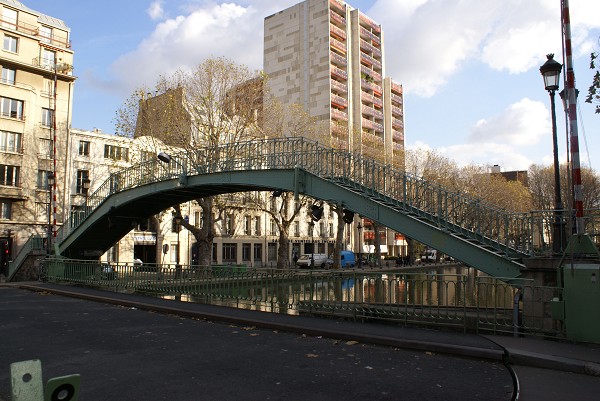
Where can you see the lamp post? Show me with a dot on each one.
(359, 227)
(311, 225)
(50, 182)
(177, 218)
(551, 73)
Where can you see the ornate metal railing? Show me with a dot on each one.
(511, 234)
(464, 301)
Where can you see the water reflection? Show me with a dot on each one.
(439, 288)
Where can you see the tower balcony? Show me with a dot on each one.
(397, 123)
(336, 18)
(337, 32)
(338, 5)
(336, 44)
(368, 22)
(339, 115)
(371, 85)
(370, 61)
(371, 73)
(397, 99)
(370, 111)
(369, 48)
(368, 35)
(338, 73)
(372, 125)
(372, 99)
(397, 111)
(338, 101)
(397, 137)
(338, 60)
(339, 87)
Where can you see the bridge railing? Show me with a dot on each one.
(512, 234)
(464, 301)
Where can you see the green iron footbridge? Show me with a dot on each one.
(480, 235)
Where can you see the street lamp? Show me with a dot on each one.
(165, 158)
(177, 218)
(311, 225)
(359, 227)
(551, 73)
(50, 182)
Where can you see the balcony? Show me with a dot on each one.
(34, 30)
(47, 64)
(372, 99)
(338, 101)
(397, 111)
(370, 36)
(338, 6)
(397, 137)
(371, 85)
(372, 141)
(339, 87)
(396, 88)
(336, 44)
(365, 58)
(336, 32)
(368, 22)
(396, 98)
(338, 60)
(339, 115)
(370, 111)
(369, 48)
(339, 73)
(397, 124)
(372, 125)
(335, 17)
(376, 77)
(397, 147)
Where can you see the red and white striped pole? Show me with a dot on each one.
(572, 112)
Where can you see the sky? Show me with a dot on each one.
(469, 68)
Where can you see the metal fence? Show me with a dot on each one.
(468, 302)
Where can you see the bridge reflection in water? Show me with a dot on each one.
(449, 296)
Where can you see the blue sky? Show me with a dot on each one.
(469, 68)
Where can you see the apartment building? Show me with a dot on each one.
(329, 58)
(35, 112)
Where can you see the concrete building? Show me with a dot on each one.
(329, 58)
(35, 112)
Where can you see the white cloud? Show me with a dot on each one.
(523, 123)
(155, 11)
(429, 41)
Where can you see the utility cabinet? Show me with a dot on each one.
(582, 301)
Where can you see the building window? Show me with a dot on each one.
(12, 108)
(116, 152)
(45, 34)
(9, 175)
(196, 219)
(82, 175)
(10, 141)
(246, 252)
(273, 227)
(257, 226)
(10, 43)
(42, 211)
(46, 117)
(48, 57)
(146, 156)
(257, 251)
(42, 179)
(228, 225)
(174, 252)
(330, 230)
(84, 148)
(9, 18)
(248, 225)
(296, 228)
(45, 148)
(8, 75)
(229, 252)
(5, 209)
(48, 89)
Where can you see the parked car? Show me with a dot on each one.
(321, 260)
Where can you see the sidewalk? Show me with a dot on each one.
(543, 368)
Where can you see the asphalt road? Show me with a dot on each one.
(129, 354)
